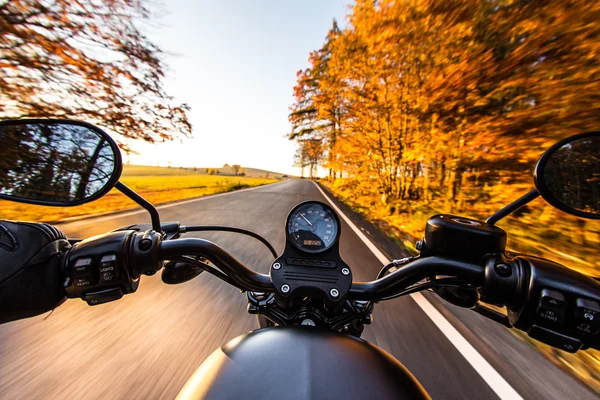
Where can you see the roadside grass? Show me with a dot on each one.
(157, 185)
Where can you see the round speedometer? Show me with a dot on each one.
(313, 227)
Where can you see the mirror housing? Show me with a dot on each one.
(567, 175)
(56, 162)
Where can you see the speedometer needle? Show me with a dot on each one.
(302, 215)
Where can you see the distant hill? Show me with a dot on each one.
(146, 170)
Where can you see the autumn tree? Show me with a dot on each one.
(316, 114)
(86, 60)
(236, 168)
(432, 97)
(309, 154)
(423, 104)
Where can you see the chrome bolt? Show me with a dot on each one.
(276, 266)
(345, 271)
(308, 322)
(285, 288)
(334, 292)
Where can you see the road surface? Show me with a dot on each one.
(149, 343)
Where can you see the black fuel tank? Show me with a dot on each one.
(301, 363)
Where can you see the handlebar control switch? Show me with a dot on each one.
(82, 272)
(109, 268)
(551, 307)
(586, 318)
(103, 296)
(558, 306)
(555, 339)
(99, 268)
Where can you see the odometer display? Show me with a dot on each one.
(312, 227)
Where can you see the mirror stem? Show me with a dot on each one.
(512, 207)
(142, 202)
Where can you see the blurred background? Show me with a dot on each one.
(400, 109)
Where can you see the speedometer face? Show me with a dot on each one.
(312, 227)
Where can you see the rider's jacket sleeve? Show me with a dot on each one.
(31, 269)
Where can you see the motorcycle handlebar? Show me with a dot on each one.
(243, 276)
(412, 273)
(387, 286)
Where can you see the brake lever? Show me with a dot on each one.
(493, 315)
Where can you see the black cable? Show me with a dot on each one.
(237, 271)
(415, 288)
(445, 282)
(395, 263)
(452, 283)
(197, 228)
(413, 272)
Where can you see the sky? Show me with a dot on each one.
(235, 64)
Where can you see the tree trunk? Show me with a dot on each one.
(87, 172)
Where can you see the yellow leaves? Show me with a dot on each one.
(414, 87)
(88, 60)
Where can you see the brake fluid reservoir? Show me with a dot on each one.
(449, 235)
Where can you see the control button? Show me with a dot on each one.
(587, 316)
(109, 271)
(82, 282)
(145, 244)
(555, 339)
(82, 267)
(103, 296)
(552, 306)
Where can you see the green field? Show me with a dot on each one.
(143, 170)
(157, 185)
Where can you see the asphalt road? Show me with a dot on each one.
(149, 343)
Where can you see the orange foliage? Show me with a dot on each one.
(86, 60)
(427, 106)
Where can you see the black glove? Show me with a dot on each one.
(31, 272)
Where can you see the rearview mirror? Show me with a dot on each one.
(56, 162)
(568, 175)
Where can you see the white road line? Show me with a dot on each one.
(179, 203)
(496, 382)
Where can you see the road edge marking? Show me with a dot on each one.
(162, 207)
(494, 380)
